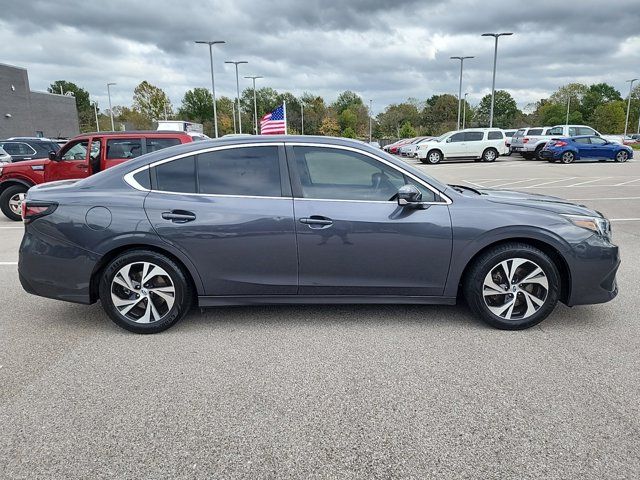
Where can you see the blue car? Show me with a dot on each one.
(569, 149)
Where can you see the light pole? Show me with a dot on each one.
(238, 92)
(370, 119)
(626, 122)
(213, 82)
(495, 61)
(113, 127)
(95, 110)
(301, 117)
(255, 104)
(568, 106)
(462, 59)
(464, 112)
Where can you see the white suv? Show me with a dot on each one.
(484, 144)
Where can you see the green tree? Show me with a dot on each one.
(197, 105)
(348, 120)
(505, 110)
(349, 133)
(347, 99)
(314, 111)
(597, 94)
(440, 114)
(132, 117)
(576, 91)
(80, 94)
(407, 131)
(329, 127)
(394, 116)
(151, 101)
(609, 117)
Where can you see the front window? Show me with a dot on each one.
(457, 137)
(75, 151)
(328, 173)
(597, 141)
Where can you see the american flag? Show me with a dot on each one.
(274, 123)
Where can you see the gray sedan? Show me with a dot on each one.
(287, 219)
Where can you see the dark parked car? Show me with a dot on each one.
(288, 219)
(584, 147)
(28, 148)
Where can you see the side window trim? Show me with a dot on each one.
(297, 187)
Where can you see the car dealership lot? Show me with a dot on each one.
(334, 391)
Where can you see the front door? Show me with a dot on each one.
(353, 238)
(72, 162)
(231, 213)
(455, 146)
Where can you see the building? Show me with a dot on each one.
(25, 113)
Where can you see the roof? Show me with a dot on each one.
(133, 132)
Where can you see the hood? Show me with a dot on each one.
(534, 200)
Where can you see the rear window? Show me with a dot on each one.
(118, 148)
(473, 136)
(155, 144)
(535, 131)
(510, 133)
(177, 175)
(520, 133)
(495, 136)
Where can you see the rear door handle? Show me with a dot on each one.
(179, 216)
(317, 221)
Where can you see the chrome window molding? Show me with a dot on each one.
(131, 181)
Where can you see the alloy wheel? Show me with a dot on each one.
(622, 156)
(515, 289)
(143, 292)
(434, 157)
(489, 156)
(567, 157)
(15, 202)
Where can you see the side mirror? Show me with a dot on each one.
(409, 196)
(448, 140)
(53, 156)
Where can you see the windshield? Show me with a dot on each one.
(441, 137)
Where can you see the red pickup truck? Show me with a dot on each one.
(80, 157)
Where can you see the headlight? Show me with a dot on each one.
(599, 225)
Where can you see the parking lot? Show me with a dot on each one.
(334, 391)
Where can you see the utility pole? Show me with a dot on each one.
(462, 59)
(626, 122)
(464, 114)
(255, 104)
(302, 117)
(95, 110)
(238, 91)
(568, 106)
(495, 61)
(113, 128)
(213, 81)
(370, 120)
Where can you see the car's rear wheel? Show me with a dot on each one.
(11, 201)
(538, 152)
(567, 157)
(512, 286)
(434, 156)
(622, 156)
(489, 155)
(145, 292)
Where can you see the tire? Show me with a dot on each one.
(551, 160)
(567, 157)
(514, 309)
(170, 304)
(527, 156)
(11, 200)
(434, 157)
(537, 152)
(622, 156)
(490, 155)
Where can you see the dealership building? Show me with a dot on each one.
(25, 113)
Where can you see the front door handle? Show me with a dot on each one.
(317, 221)
(82, 166)
(179, 216)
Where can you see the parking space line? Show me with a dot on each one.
(604, 198)
(624, 219)
(552, 181)
(474, 184)
(513, 183)
(625, 183)
(21, 227)
(588, 181)
(8, 263)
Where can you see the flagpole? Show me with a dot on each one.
(284, 108)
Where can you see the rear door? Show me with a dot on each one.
(474, 144)
(353, 238)
(230, 210)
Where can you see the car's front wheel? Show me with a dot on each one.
(434, 157)
(11, 201)
(512, 286)
(622, 156)
(145, 292)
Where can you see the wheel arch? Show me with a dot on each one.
(189, 270)
(435, 149)
(10, 182)
(552, 251)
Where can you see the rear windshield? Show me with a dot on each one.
(520, 133)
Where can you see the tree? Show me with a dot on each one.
(440, 115)
(314, 111)
(349, 133)
(132, 117)
(151, 101)
(394, 116)
(407, 131)
(505, 110)
(576, 91)
(609, 117)
(597, 94)
(347, 99)
(329, 127)
(197, 105)
(81, 95)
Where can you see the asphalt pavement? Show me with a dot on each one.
(334, 391)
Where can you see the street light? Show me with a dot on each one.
(213, 82)
(370, 118)
(113, 127)
(462, 59)
(302, 117)
(238, 92)
(464, 114)
(626, 122)
(255, 104)
(95, 110)
(495, 60)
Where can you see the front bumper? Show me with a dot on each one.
(594, 266)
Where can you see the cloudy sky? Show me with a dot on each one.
(385, 50)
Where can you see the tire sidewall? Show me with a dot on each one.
(573, 158)
(183, 292)
(621, 160)
(6, 196)
(428, 158)
(486, 263)
(484, 154)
